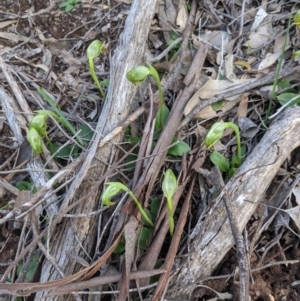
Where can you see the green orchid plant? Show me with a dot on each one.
(58, 115)
(114, 188)
(137, 75)
(213, 136)
(37, 130)
(169, 187)
(94, 50)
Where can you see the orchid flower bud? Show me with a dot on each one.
(35, 141)
(94, 49)
(138, 74)
(215, 134)
(169, 185)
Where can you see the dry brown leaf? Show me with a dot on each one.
(248, 128)
(228, 66)
(7, 23)
(279, 41)
(243, 64)
(215, 87)
(217, 38)
(16, 37)
(171, 12)
(259, 18)
(260, 32)
(182, 17)
(270, 59)
(243, 107)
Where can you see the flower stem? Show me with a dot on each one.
(238, 142)
(145, 216)
(155, 75)
(93, 73)
(171, 219)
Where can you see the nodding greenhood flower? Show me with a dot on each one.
(110, 191)
(92, 52)
(138, 74)
(39, 123)
(35, 141)
(169, 187)
(94, 49)
(215, 133)
(115, 187)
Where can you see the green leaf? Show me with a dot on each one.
(231, 172)
(31, 268)
(105, 82)
(63, 4)
(154, 207)
(217, 105)
(65, 152)
(23, 185)
(174, 35)
(219, 160)
(120, 248)
(145, 238)
(133, 140)
(161, 117)
(179, 149)
(286, 97)
(234, 161)
(69, 8)
(86, 132)
(130, 162)
(149, 216)
(157, 265)
(283, 84)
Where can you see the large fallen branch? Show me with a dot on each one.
(212, 238)
(78, 234)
